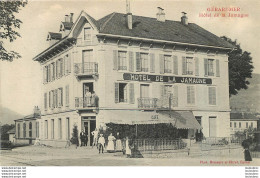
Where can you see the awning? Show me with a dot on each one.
(179, 119)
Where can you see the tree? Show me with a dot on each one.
(240, 68)
(75, 136)
(4, 129)
(8, 25)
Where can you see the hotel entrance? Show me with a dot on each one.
(88, 124)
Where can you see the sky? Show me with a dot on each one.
(21, 80)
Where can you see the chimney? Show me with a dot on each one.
(184, 19)
(129, 17)
(71, 17)
(160, 15)
(36, 111)
(67, 19)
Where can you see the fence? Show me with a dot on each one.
(212, 143)
(158, 144)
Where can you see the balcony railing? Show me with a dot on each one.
(148, 103)
(168, 102)
(86, 102)
(87, 68)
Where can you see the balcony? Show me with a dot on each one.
(148, 103)
(86, 102)
(86, 69)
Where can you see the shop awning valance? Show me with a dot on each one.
(179, 119)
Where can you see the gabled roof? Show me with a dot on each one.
(30, 117)
(67, 25)
(54, 36)
(146, 27)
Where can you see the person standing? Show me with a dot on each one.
(111, 145)
(247, 154)
(82, 138)
(127, 148)
(86, 139)
(101, 143)
(118, 142)
(95, 137)
(87, 97)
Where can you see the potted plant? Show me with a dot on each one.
(75, 137)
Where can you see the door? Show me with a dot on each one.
(89, 125)
(198, 134)
(87, 90)
(87, 61)
(144, 95)
(212, 126)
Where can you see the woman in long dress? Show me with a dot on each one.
(111, 145)
(118, 142)
(127, 148)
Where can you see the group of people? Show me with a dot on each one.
(90, 98)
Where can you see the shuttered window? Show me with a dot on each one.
(212, 95)
(206, 67)
(210, 67)
(116, 92)
(175, 65)
(45, 74)
(45, 101)
(152, 63)
(144, 62)
(217, 68)
(131, 93)
(161, 59)
(191, 95)
(168, 63)
(67, 95)
(138, 62)
(115, 60)
(60, 97)
(196, 66)
(131, 61)
(61, 67)
(184, 67)
(122, 61)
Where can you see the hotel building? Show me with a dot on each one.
(143, 70)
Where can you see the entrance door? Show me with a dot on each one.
(212, 126)
(89, 125)
(198, 134)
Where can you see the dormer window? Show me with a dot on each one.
(87, 34)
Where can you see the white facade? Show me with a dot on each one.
(118, 58)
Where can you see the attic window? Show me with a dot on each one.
(87, 33)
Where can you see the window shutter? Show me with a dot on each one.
(196, 66)
(152, 63)
(131, 61)
(54, 70)
(212, 95)
(49, 99)
(175, 65)
(61, 96)
(54, 99)
(217, 68)
(115, 59)
(161, 59)
(44, 74)
(69, 63)
(45, 101)
(175, 93)
(67, 95)
(116, 92)
(138, 62)
(131, 93)
(57, 65)
(206, 67)
(184, 66)
(65, 65)
(188, 94)
(192, 95)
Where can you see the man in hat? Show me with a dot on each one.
(82, 138)
(101, 143)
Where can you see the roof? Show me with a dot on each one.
(147, 27)
(29, 117)
(11, 131)
(55, 36)
(243, 116)
(67, 25)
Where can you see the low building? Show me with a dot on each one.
(27, 128)
(242, 121)
(11, 134)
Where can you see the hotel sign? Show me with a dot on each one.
(169, 79)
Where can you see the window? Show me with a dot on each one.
(58, 68)
(230, 124)
(68, 128)
(246, 124)
(19, 130)
(190, 95)
(37, 129)
(212, 95)
(60, 128)
(51, 99)
(252, 124)
(167, 64)
(45, 101)
(52, 129)
(24, 130)
(122, 64)
(30, 129)
(144, 91)
(122, 92)
(67, 64)
(87, 33)
(235, 125)
(46, 129)
(67, 95)
(144, 62)
(210, 67)
(45, 74)
(239, 124)
(60, 97)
